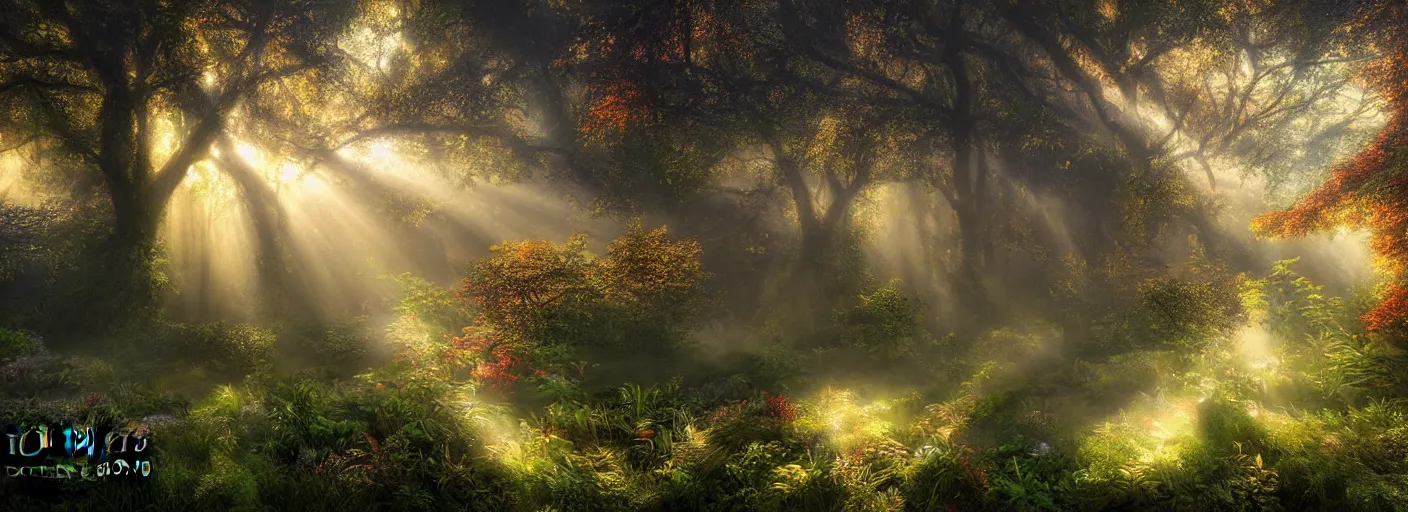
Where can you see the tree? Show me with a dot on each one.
(1370, 190)
(139, 91)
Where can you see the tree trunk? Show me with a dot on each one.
(120, 289)
(967, 184)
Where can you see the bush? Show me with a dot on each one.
(15, 343)
(233, 350)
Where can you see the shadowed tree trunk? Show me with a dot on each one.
(970, 174)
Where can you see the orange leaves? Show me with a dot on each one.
(643, 266)
(1386, 20)
(536, 297)
(616, 108)
(514, 288)
(1342, 199)
(523, 278)
(1371, 189)
(1391, 313)
(624, 70)
(1390, 242)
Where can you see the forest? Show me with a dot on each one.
(709, 255)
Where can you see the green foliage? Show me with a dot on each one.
(1182, 315)
(1223, 425)
(945, 477)
(1323, 338)
(1194, 423)
(230, 349)
(342, 348)
(14, 343)
(885, 323)
(426, 310)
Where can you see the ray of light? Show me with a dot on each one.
(334, 232)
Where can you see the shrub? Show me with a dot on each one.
(233, 350)
(884, 324)
(15, 343)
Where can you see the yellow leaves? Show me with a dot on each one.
(866, 41)
(1108, 10)
(845, 420)
(789, 477)
(644, 265)
(863, 38)
(522, 278)
(1236, 9)
(824, 138)
(640, 269)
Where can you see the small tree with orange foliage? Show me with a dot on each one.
(539, 301)
(1370, 190)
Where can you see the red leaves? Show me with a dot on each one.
(496, 358)
(779, 408)
(1369, 190)
(1391, 313)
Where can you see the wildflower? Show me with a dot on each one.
(1041, 449)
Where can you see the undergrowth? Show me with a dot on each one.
(1276, 402)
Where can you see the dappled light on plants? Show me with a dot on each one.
(844, 422)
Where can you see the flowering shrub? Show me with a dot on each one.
(779, 408)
